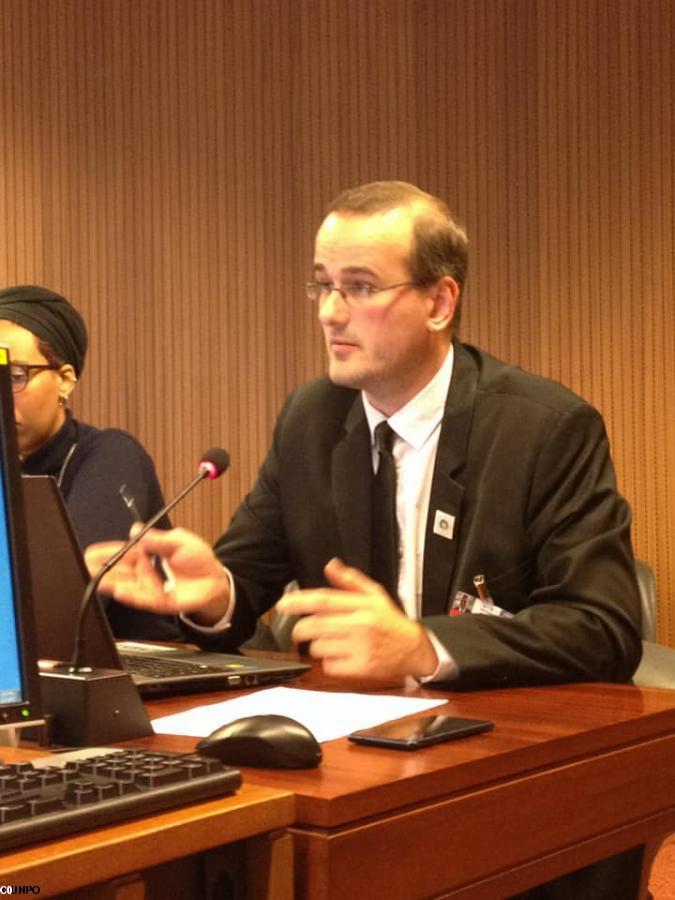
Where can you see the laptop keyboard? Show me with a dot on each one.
(66, 792)
(156, 667)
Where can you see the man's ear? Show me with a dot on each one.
(445, 297)
(68, 380)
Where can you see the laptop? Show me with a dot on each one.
(60, 576)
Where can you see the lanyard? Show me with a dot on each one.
(64, 464)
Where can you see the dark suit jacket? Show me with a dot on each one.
(522, 464)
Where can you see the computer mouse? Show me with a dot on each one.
(263, 741)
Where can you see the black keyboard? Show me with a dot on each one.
(156, 667)
(82, 789)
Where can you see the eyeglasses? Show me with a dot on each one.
(20, 374)
(353, 293)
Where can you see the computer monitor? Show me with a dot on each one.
(19, 680)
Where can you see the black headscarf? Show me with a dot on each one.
(50, 317)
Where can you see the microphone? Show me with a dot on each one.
(212, 465)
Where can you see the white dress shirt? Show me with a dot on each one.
(417, 427)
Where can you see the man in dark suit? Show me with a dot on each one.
(504, 555)
(505, 493)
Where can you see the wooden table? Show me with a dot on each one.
(162, 850)
(570, 775)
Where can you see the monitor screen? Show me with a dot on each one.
(19, 680)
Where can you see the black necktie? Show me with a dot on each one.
(385, 527)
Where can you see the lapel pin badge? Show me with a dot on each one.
(444, 524)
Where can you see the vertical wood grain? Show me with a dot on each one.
(164, 163)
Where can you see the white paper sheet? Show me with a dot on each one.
(326, 714)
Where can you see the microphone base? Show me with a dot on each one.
(91, 707)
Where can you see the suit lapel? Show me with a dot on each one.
(351, 486)
(447, 491)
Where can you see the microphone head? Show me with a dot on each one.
(214, 462)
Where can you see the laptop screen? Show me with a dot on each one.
(19, 685)
(11, 682)
(56, 558)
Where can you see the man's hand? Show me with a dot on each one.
(202, 588)
(357, 630)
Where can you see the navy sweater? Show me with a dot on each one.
(91, 465)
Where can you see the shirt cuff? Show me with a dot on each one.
(222, 624)
(447, 669)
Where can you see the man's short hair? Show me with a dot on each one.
(440, 243)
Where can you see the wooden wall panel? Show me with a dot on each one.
(164, 163)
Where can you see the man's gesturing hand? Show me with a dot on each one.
(201, 587)
(356, 629)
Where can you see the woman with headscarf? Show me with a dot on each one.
(47, 341)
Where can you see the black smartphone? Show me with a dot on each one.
(411, 734)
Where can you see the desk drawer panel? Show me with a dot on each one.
(423, 851)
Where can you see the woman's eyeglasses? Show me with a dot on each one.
(20, 374)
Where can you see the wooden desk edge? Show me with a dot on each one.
(104, 853)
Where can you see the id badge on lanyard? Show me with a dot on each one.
(480, 603)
